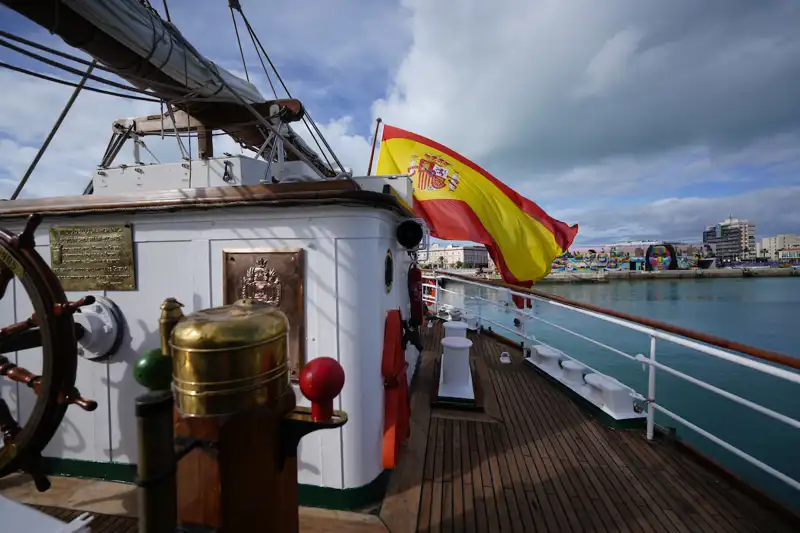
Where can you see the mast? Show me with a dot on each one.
(131, 40)
(374, 142)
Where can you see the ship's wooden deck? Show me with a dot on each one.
(542, 462)
(533, 460)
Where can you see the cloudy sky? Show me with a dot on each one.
(636, 120)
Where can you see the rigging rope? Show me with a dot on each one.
(257, 41)
(72, 84)
(66, 68)
(52, 133)
(239, 41)
(75, 59)
(166, 12)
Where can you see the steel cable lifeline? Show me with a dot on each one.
(257, 41)
(259, 48)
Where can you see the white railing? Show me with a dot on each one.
(431, 281)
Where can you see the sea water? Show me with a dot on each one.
(760, 312)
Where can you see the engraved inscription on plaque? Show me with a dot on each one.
(87, 258)
(275, 277)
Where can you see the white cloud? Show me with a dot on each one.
(774, 210)
(632, 119)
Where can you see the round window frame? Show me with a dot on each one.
(388, 271)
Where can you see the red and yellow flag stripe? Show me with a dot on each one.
(461, 201)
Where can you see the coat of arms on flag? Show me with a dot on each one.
(431, 172)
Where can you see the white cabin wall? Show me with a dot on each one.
(360, 271)
(170, 263)
(180, 255)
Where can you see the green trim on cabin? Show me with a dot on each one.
(309, 495)
(345, 499)
(119, 472)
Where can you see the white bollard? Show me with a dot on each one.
(455, 329)
(455, 376)
(549, 360)
(471, 321)
(573, 372)
(594, 390)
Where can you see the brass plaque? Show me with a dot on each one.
(276, 277)
(91, 258)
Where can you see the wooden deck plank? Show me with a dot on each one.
(576, 497)
(519, 402)
(588, 465)
(458, 480)
(549, 465)
(594, 496)
(512, 463)
(481, 507)
(402, 509)
(102, 523)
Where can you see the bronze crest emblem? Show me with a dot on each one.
(260, 282)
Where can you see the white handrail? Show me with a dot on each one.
(654, 334)
(709, 350)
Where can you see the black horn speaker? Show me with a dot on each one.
(409, 234)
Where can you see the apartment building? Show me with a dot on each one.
(732, 239)
(770, 246)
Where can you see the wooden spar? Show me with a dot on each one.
(752, 351)
(374, 142)
(232, 117)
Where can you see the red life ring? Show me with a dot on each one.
(397, 406)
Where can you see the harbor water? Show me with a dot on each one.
(762, 312)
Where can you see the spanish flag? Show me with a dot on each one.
(460, 201)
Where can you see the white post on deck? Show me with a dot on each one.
(436, 294)
(651, 390)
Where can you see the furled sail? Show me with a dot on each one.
(129, 38)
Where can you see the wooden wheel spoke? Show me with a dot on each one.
(51, 327)
(33, 381)
(33, 321)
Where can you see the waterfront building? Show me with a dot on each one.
(789, 255)
(452, 256)
(732, 239)
(639, 248)
(770, 246)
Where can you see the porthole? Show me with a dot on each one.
(388, 271)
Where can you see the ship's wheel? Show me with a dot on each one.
(52, 327)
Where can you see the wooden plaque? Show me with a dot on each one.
(87, 258)
(276, 277)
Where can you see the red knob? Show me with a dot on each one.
(321, 381)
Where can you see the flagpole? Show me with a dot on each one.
(374, 142)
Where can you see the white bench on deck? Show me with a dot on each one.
(455, 375)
